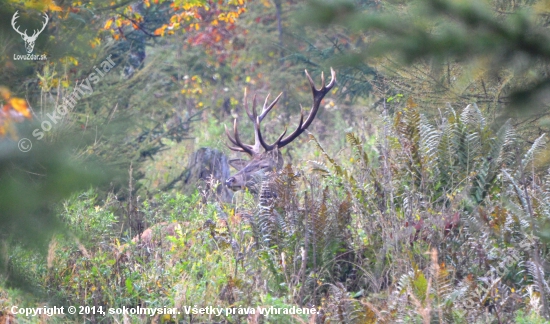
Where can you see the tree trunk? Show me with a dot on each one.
(208, 167)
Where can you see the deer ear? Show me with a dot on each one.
(238, 164)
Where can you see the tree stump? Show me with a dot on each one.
(207, 168)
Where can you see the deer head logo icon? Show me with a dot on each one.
(29, 40)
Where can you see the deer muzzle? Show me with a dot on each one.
(234, 184)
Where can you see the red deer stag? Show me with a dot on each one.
(271, 159)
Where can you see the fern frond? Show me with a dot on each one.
(519, 193)
(357, 146)
(538, 144)
(338, 168)
(429, 141)
(536, 272)
(320, 167)
(503, 145)
(472, 116)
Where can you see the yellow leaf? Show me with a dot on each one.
(73, 60)
(108, 24)
(411, 103)
(4, 93)
(53, 7)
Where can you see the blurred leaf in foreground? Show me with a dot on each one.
(31, 184)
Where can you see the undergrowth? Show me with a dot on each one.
(444, 222)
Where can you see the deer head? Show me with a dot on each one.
(29, 40)
(270, 159)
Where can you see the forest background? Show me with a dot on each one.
(425, 170)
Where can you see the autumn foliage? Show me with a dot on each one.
(14, 110)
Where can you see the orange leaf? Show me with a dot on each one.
(159, 31)
(20, 105)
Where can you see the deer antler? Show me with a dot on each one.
(24, 34)
(13, 19)
(36, 32)
(318, 96)
(236, 141)
(254, 150)
(258, 140)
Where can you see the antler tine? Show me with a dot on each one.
(266, 109)
(236, 149)
(257, 130)
(231, 139)
(318, 95)
(248, 149)
(278, 141)
(268, 147)
(237, 141)
(254, 113)
(43, 25)
(13, 23)
(233, 148)
(245, 103)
